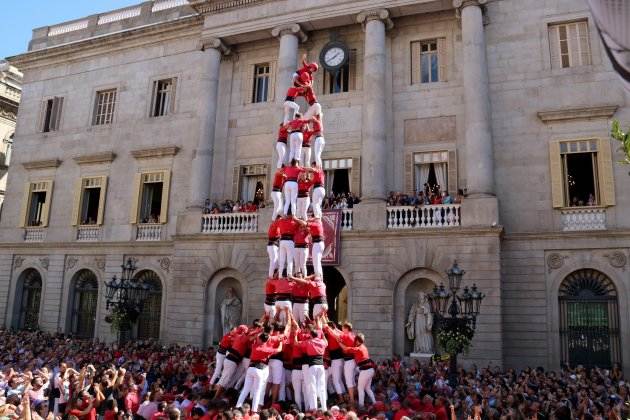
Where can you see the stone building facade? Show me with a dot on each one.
(131, 119)
(10, 91)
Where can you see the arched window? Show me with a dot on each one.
(27, 300)
(589, 320)
(149, 319)
(84, 297)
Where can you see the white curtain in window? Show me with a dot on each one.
(330, 180)
(147, 199)
(422, 175)
(440, 175)
(248, 187)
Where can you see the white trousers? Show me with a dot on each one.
(300, 312)
(365, 386)
(336, 368)
(313, 110)
(218, 367)
(276, 196)
(297, 380)
(318, 198)
(281, 305)
(295, 145)
(290, 108)
(272, 252)
(255, 382)
(319, 309)
(290, 197)
(227, 374)
(318, 253)
(276, 371)
(306, 388)
(318, 148)
(241, 372)
(300, 255)
(302, 207)
(285, 256)
(306, 155)
(281, 150)
(270, 310)
(317, 380)
(348, 373)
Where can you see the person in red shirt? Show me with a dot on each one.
(319, 191)
(88, 412)
(314, 347)
(284, 291)
(346, 337)
(317, 138)
(304, 75)
(270, 296)
(314, 106)
(316, 228)
(296, 128)
(336, 356)
(288, 226)
(301, 241)
(281, 145)
(276, 365)
(300, 298)
(366, 368)
(305, 181)
(276, 193)
(273, 245)
(292, 174)
(235, 354)
(291, 108)
(224, 345)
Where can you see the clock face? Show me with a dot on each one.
(334, 56)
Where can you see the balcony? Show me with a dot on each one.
(229, 223)
(423, 217)
(583, 218)
(346, 219)
(149, 232)
(34, 234)
(89, 233)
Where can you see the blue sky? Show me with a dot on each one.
(20, 17)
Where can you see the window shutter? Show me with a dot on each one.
(442, 47)
(101, 201)
(166, 187)
(554, 47)
(46, 207)
(555, 166)
(76, 205)
(272, 82)
(355, 184)
(584, 43)
(249, 77)
(42, 115)
(352, 70)
(135, 199)
(236, 182)
(574, 45)
(605, 173)
(173, 95)
(409, 184)
(452, 172)
(415, 63)
(55, 115)
(25, 204)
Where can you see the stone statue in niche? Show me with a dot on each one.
(419, 325)
(231, 310)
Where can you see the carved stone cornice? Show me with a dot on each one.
(460, 4)
(12, 116)
(155, 152)
(588, 113)
(289, 29)
(103, 157)
(375, 14)
(216, 43)
(205, 6)
(42, 164)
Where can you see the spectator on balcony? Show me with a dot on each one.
(446, 198)
(237, 207)
(459, 197)
(436, 199)
(591, 200)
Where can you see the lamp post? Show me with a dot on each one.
(125, 297)
(455, 313)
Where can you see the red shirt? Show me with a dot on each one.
(318, 177)
(318, 129)
(316, 228)
(440, 413)
(132, 403)
(270, 287)
(314, 346)
(303, 187)
(261, 352)
(294, 91)
(278, 179)
(292, 172)
(199, 368)
(301, 237)
(109, 415)
(360, 353)
(304, 75)
(226, 341)
(283, 287)
(436, 199)
(274, 231)
(333, 342)
(310, 96)
(241, 344)
(317, 289)
(288, 227)
(297, 124)
(403, 412)
(306, 138)
(300, 290)
(282, 134)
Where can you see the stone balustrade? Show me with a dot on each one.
(158, 6)
(118, 15)
(429, 216)
(34, 234)
(583, 218)
(89, 233)
(229, 223)
(64, 28)
(149, 232)
(346, 219)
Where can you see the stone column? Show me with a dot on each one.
(479, 155)
(211, 51)
(289, 36)
(374, 141)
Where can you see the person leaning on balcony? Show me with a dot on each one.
(446, 198)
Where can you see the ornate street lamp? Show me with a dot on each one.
(455, 315)
(125, 297)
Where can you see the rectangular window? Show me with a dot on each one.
(89, 205)
(579, 173)
(250, 183)
(262, 79)
(431, 172)
(36, 204)
(163, 97)
(428, 61)
(343, 80)
(338, 176)
(152, 194)
(51, 114)
(569, 44)
(104, 107)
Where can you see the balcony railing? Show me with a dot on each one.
(34, 234)
(430, 216)
(346, 219)
(89, 233)
(149, 232)
(229, 223)
(584, 218)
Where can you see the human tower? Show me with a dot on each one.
(294, 352)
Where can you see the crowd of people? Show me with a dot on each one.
(340, 201)
(231, 206)
(431, 195)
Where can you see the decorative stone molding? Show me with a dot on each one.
(8, 115)
(216, 43)
(588, 113)
(156, 152)
(555, 261)
(42, 164)
(71, 262)
(375, 14)
(165, 264)
(617, 259)
(100, 263)
(460, 4)
(102, 157)
(17, 263)
(205, 6)
(289, 29)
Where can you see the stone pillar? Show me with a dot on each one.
(289, 36)
(211, 51)
(373, 139)
(479, 155)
